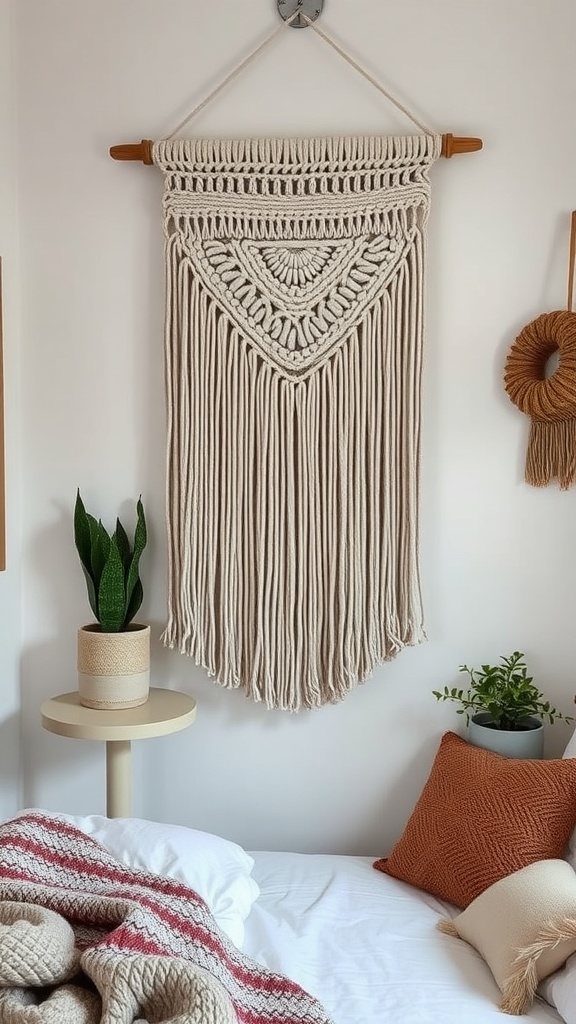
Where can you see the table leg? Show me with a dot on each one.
(118, 779)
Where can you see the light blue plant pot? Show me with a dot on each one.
(524, 743)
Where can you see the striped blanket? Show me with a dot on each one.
(86, 940)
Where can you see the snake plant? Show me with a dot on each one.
(111, 567)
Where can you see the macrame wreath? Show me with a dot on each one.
(549, 401)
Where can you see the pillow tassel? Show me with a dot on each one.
(448, 927)
(520, 988)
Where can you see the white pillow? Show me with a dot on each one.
(571, 748)
(217, 869)
(560, 988)
(570, 854)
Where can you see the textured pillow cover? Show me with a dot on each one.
(217, 869)
(481, 817)
(524, 926)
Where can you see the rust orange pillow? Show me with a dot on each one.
(480, 817)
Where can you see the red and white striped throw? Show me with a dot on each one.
(149, 947)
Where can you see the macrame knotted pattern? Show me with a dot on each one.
(294, 321)
(549, 401)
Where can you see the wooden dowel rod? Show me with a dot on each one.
(452, 145)
(133, 151)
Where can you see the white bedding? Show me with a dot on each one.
(367, 945)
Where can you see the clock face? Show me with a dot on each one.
(306, 9)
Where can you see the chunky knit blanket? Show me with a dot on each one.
(84, 939)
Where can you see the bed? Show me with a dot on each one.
(367, 947)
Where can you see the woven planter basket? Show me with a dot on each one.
(113, 668)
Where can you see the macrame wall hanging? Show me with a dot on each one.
(294, 323)
(549, 401)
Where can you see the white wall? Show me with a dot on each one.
(10, 611)
(498, 558)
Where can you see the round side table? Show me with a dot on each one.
(164, 712)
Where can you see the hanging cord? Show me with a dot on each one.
(571, 263)
(331, 42)
(366, 74)
(235, 71)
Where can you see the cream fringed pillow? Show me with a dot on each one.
(524, 926)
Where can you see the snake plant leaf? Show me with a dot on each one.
(123, 544)
(111, 594)
(82, 534)
(100, 550)
(92, 596)
(135, 602)
(140, 538)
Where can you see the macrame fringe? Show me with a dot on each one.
(294, 552)
(551, 453)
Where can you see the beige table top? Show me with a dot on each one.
(164, 712)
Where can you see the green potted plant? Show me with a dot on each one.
(114, 651)
(504, 708)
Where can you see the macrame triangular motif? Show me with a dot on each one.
(297, 300)
(294, 322)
